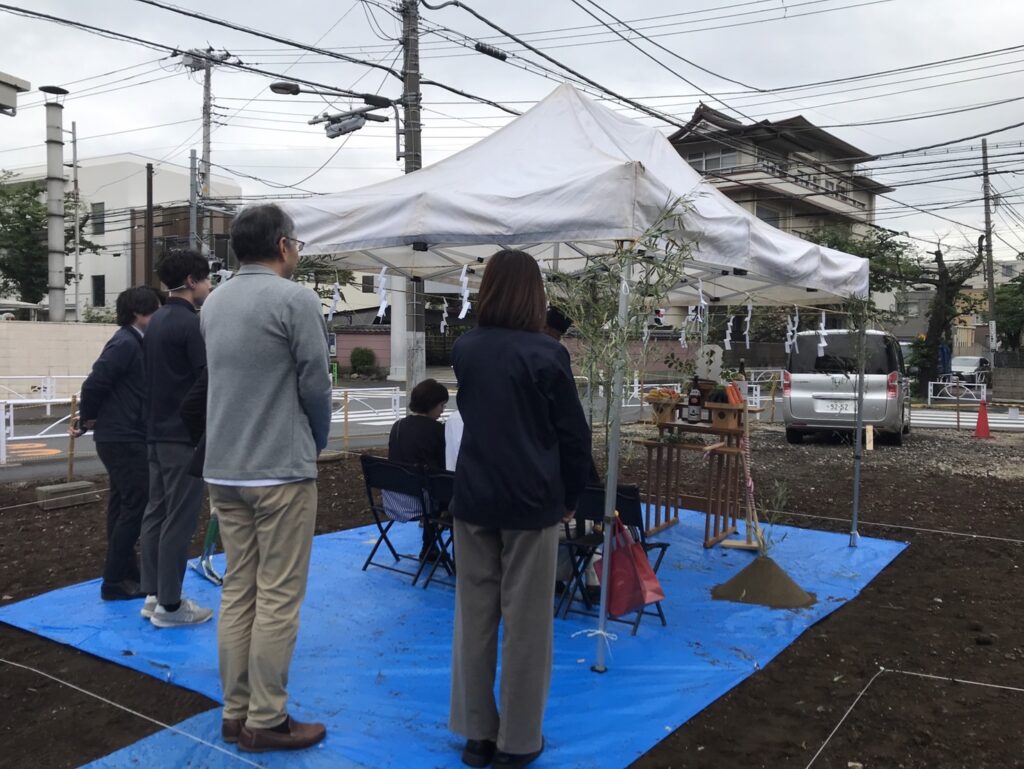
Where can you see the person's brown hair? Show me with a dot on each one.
(512, 292)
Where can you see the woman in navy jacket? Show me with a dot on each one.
(523, 462)
(113, 405)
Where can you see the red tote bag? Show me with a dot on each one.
(632, 582)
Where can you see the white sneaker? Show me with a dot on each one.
(148, 607)
(189, 613)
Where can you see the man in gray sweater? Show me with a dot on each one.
(268, 417)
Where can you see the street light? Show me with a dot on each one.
(343, 123)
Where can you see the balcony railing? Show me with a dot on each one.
(776, 170)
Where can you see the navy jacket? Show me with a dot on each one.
(114, 393)
(175, 354)
(525, 452)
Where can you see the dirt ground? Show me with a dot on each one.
(950, 606)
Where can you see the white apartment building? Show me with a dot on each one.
(110, 188)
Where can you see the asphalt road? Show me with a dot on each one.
(370, 416)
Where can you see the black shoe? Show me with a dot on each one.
(478, 753)
(503, 760)
(125, 590)
(559, 587)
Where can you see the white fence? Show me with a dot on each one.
(38, 390)
(956, 391)
(8, 435)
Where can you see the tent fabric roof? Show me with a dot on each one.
(568, 179)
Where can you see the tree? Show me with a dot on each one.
(320, 270)
(22, 239)
(24, 268)
(1010, 313)
(897, 266)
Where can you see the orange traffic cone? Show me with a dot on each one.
(981, 430)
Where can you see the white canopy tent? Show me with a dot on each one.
(569, 179)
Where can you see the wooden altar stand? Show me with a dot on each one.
(725, 500)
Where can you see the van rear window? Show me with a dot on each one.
(841, 356)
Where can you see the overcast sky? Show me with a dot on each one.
(764, 44)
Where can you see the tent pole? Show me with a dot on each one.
(611, 482)
(858, 449)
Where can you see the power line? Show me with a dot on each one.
(631, 102)
(313, 49)
(657, 45)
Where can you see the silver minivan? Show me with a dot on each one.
(819, 393)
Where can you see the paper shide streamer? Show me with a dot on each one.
(382, 291)
(335, 301)
(822, 343)
(444, 318)
(464, 281)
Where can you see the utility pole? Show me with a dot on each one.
(78, 224)
(55, 201)
(148, 246)
(415, 315)
(989, 265)
(196, 60)
(193, 202)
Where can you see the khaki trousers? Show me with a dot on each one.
(503, 575)
(267, 533)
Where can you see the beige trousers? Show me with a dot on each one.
(503, 576)
(267, 533)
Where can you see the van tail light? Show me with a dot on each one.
(787, 384)
(892, 386)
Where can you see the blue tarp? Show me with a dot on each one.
(372, 660)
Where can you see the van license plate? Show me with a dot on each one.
(840, 407)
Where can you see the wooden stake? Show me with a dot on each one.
(345, 439)
(71, 439)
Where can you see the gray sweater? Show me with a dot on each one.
(269, 402)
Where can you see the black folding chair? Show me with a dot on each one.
(584, 548)
(632, 517)
(397, 494)
(440, 488)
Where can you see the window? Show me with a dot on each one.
(99, 290)
(768, 215)
(1009, 270)
(914, 310)
(367, 284)
(99, 219)
(714, 160)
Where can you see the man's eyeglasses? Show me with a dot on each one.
(299, 244)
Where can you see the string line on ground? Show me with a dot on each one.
(126, 709)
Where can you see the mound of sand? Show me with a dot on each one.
(763, 582)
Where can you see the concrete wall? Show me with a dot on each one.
(51, 349)
(1008, 384)
(377, 339)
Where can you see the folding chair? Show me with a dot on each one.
(632, 517)
(582, 547)
(397, 494)
(440, 488)
(591, 507)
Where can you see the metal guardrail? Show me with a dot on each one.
(391, 408)
(955, 390)
(21, 388)
(7, 433)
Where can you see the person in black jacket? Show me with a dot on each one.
(522, 465)
(113, 406)
(175, 354)
(418, 439)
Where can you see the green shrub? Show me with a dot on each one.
(362, 360)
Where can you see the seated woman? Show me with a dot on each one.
(418, 439)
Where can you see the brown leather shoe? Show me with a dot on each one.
(298, 737)
(230, 728)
